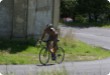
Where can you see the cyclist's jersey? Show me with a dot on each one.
(53, 34)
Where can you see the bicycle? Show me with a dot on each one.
(45, 54)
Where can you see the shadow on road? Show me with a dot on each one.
(45, 65)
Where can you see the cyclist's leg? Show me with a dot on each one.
(54, 51)
(48, 45)
(55, 43)
(55, 46)
(51, 46)
(51, 49)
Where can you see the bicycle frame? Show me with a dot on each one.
(45, 52)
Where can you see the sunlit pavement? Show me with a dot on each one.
(94, 36)
(99, 67)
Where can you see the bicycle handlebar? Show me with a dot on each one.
(39, 42)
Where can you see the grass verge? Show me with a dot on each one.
(80, 51)
(87, 24)
(25, 52)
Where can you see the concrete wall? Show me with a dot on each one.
(27, 18)
(43, 15)
(56, 12)
(6, 21)
(20, 18)
(31, 17)
(40, 14)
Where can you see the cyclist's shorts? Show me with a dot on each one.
(52, 38)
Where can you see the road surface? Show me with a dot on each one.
(99, 67)
(93, 35)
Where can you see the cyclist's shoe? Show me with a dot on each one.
(53, 57)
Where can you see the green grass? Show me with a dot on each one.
(106, 26)
(25, 52)
(18, 52)
(79, 51)
(87, 24)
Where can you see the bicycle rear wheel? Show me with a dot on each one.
(60, 54)
(44, 56)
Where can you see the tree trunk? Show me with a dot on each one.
(90, 18)
(95, 17)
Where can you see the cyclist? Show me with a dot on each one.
(52, 37)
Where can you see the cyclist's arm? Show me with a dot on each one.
(43, 35)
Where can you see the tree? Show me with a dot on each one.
(68, 8)
(93, 8)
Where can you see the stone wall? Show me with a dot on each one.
(56, 12)
(20, 18)
(39, 16)
(43, 14)
(6, 15)
(27, 18)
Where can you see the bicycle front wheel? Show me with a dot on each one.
(60, 54)
(44, 56)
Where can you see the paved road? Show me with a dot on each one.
(99, 67)
(94, 36)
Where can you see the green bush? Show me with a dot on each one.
(81, 19)
(67, 8)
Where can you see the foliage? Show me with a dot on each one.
(68, 8)
(87, 24)
(94, 10)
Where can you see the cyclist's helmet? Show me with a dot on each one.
(49, 25)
